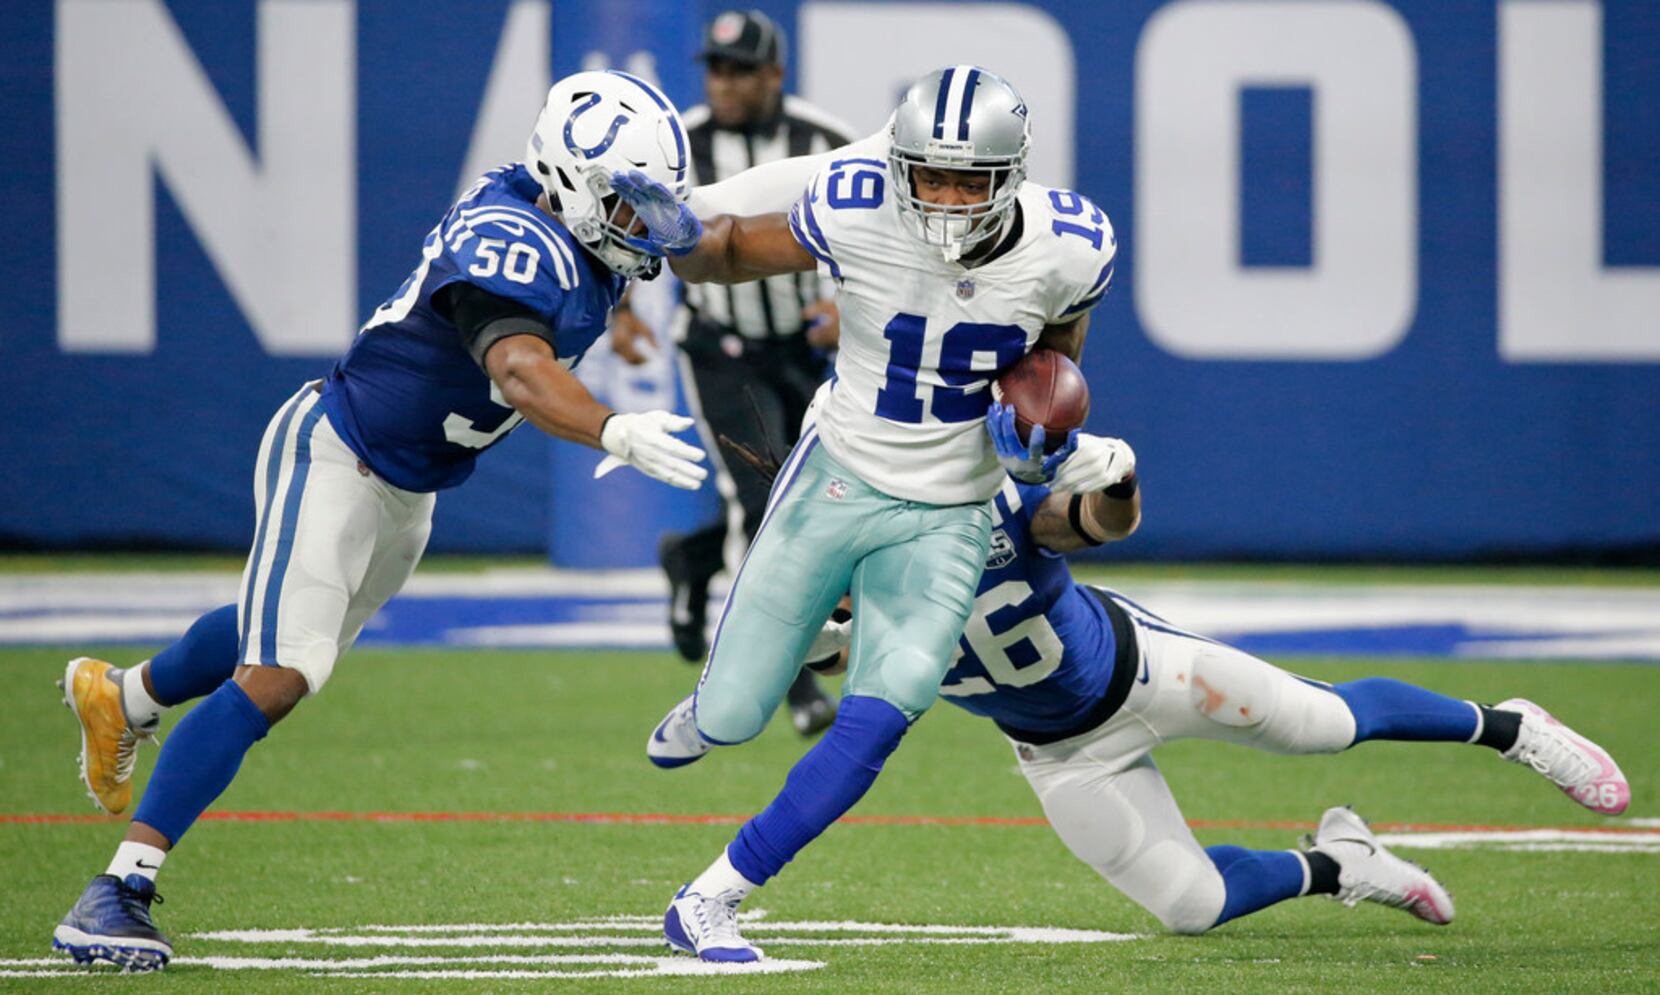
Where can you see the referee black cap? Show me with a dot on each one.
(746, 36)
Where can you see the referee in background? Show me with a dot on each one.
(752, 349)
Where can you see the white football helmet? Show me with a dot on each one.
(596, 123)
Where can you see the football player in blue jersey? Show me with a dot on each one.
(513, 285)
(1085, 683)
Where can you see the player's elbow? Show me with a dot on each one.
(512, 363)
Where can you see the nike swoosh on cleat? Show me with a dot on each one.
(1146, 671)
(657, 733)
(1371, 849)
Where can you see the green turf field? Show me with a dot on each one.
(517, 732)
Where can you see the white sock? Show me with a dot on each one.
(143, 711)
(722, 877)
(1308, 875)
(136, 858)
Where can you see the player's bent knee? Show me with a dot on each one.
(1275, 710)
(273, 690)
(1311, 719)
(1195, 908)
(1176, 883)
(907, 679)
(727, 715)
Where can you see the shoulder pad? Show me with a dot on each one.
(512, 244)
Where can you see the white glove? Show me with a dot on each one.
(643, 441)
(833, 638)
(1098, 463)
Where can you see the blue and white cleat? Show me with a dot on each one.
(111, 922)
(707, 926)
(676, 742)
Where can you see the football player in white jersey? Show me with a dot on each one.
(950, 267)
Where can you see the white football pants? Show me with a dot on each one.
(1109, 804)
(332, 543)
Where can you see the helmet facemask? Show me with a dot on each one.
(606, 235)
(957, 229)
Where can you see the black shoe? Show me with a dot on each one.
(688, 599)
(811, 709)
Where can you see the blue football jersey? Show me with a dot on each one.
(407, 397)
(1037, 653)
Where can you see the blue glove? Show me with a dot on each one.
(671, 227)
(1025, 462)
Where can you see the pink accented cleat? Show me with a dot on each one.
(1368, 872)
(1582, 769)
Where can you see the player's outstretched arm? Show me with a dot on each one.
(726, 249)
(1067, 522)
(550, 397)
(1095, 498)
(735, 250)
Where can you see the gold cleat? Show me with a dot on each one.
(109, 748)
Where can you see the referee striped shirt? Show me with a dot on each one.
(770, 308)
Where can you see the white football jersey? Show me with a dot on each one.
(922, 338)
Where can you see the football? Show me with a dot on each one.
(1045, 388)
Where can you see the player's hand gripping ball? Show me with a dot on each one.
(1039, 404)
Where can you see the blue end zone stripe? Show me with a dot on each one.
(285, 538)
(817, 250)
(968, 103)
(939, 104)
(674, 123)
(273, 470)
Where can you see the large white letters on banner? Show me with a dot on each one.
(858, 58)
(133, 102)
(1194, 297)
(519, 81)
(1557, 302)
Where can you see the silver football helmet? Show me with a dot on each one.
(959, 118)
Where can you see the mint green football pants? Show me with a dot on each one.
(912, 569)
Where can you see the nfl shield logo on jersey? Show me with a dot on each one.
(837, 489)
(965, 288)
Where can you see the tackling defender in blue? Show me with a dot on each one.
(1085, 683)
(514, 284)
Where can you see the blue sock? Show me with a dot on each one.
(199, 759)
(202, 659)
(1391, 709)
(1255, 879)
(824, 784)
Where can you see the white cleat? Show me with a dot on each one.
(1582, 769)
(707, 926)
(676, 742)
(1367, 872)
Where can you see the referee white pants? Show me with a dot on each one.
(1110, 805)
(332, 544)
